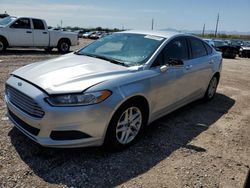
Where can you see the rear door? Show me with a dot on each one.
(20, 33)
(41, 35)
(200, 65)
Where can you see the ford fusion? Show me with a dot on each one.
(108, 91)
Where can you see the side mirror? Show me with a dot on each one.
(164, 68)
(175, 62)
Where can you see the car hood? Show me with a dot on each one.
(70, 73)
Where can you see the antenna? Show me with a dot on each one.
(217, 23)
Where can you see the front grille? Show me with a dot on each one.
(24, 125)
(24, 102)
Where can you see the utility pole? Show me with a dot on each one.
(217, 23)
(61, 23)
(203, 30)
(152, 25)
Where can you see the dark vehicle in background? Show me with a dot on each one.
(236, 44)
(227, 50)
(245, 49)
(80, 33)
(4, 15)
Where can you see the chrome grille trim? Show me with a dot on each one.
(23, 102)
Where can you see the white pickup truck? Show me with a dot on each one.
(33, 32)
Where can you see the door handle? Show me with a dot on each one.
(188, 67)
(211, 61)
(28, 31)
(45, 33)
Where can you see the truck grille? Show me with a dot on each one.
(24, 102)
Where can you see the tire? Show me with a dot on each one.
(122, 133)
(211, 89)
(63, 46)
(48, 50)
(3, 45)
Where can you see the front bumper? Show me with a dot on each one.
(91, 120)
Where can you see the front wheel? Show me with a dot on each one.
(125, 126)
(212, 87)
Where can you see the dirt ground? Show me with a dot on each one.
(199, 145)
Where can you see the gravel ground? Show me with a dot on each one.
(199, 145)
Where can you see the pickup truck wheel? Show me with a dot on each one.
(2, 46)
(63, 46)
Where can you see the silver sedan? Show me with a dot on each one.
(108, 91)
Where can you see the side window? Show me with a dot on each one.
(22, 23)
(38, 24)
(208, 48)
(176, 49)
(198, 49)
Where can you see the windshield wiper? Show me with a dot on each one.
(111, 60)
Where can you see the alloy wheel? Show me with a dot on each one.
(212, 87)
(129, 125)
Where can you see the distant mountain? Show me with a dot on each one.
(207, 31)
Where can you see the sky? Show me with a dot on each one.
(136, 14)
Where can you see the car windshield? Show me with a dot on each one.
(220, 43)
(6, 20)
(127, 49)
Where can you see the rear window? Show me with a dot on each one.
(198, 48)
(38, 24)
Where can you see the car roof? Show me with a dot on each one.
(27, 17)
(164, 34)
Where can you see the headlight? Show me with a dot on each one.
(241, 49)
(79, 99)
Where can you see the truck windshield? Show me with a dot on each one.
(128, 49)
(7, 20)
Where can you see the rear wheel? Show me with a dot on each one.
(212, 87)
(2, 45)
(63, 46)
(125, 126)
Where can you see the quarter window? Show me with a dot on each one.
(198, 49)
(38, 24)
(22, 23)
(208, 48)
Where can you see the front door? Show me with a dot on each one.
(20, 33)
(168, 83)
